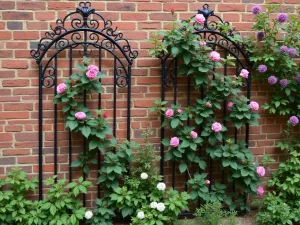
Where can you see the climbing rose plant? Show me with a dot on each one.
(195, 59)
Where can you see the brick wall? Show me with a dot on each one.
(23, 23)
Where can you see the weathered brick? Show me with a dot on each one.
(31, 5)
(11, 25)
(17, 15)
(4, 5)
(120, 6)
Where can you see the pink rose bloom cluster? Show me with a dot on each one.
(202, 43)
(61, 88)
(208, 104)
(169, 113)
(92, 72)
(194, 134)
(174, 142)
(216, 127)
(230, 105)
(260, 190)
(260, 171)
(200, 19)
(80, 115)
(215, 56)
(254, 105)
(244, 73)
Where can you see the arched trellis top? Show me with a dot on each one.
(93, 25)
(215, 35)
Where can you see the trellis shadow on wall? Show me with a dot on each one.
(178, 89)
(80, 33)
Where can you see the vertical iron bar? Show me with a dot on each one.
(162, 130)
(175, 101)
(84, 103)
(99, 107)
(70, 134)
(224, 113)
(40, 132)
(115, 98)
(188, 124)
(55, 119)
(128, 101)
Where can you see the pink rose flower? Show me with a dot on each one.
(216, 127)
(207, 182)
(208, 104)
(202, 43)
(260, 190)
(80, 115)
(61, 88)
(260, 171)
(230, 105)
(169, 113)
(92, 72)
(105, 114)
(172, 11)
(194, 134)
(179, 111)
(254, 105)
(200, 19)
(174, 142)
(215, 56)
(244, 73)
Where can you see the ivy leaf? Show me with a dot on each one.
(86, 131)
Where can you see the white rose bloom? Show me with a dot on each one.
(144, 176)
(160, 207)
(88, 214)
(141, 215)
(161, 186)
(153, 205)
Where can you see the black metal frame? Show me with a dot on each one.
(88, 29)
(214, 37)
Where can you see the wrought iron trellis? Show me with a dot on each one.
(86, 31)
(215, 37)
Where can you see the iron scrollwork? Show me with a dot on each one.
(84, 19)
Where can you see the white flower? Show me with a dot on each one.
(88, 214)
(141, 215)
(153, 205)
(160, 207)
(144, 176)
(161, 186)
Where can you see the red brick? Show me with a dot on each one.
(15, 64)
(7, 5)
(134, 16)
(45, 16)
(16, 45)
(125, 25)
(161, 16)
(149, 25)
(176, 6)
(18, 106)
(5, 35)
(6, 53)
(149, 7)
(13, 128)
(61, 5)
(120, 6)
(27, 159)
(37, 25)
(16, 152)
(14, 115)
(17, 15)
(31, 5)
(26, 35)
(231, 8)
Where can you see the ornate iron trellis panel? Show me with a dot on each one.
(87, 33)
(216, 38)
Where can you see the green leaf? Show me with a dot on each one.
(175, 51)
(53, 210)
(174, 123)
(66, 107)
(76, 163)
(73, 219)
(86, 131)
(81, 67)
(75, 76)
(182, 167)
(93, 144)
(97, 87)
